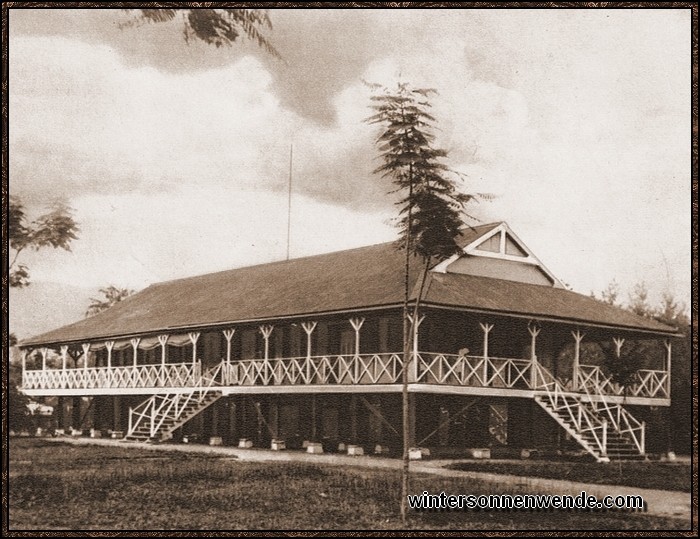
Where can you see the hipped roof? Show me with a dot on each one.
(355, 279)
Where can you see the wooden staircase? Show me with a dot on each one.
(157, 418)
(619, 447)
(588, 430)
(606, 431)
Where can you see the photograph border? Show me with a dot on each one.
(9, 6)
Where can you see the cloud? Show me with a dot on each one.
(134, 239)
(577, 120)
(91, 124)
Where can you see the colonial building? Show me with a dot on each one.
(308, 352)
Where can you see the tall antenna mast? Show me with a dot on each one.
(289, 199)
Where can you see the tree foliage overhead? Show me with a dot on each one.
(431, 206)
(56, 229)
(216, 26)
(111, 296)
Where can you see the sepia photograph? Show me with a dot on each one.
(392, 267)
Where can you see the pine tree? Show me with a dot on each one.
(431, 206)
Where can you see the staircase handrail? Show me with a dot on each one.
(617, 417)
(593, 424)
(161, 406)
(140, 412)
(210, 376)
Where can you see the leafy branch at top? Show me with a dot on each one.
(215, 26)
(56, 229)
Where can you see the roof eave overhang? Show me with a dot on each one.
(557, 319)
(227, 323)
(189, 327)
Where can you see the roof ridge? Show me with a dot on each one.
(292, 260)
(467, 226)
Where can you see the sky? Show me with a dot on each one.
(175, 155)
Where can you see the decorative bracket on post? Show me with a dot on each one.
(109, 345)
(486, 328)
(415, 325)
(86, 351)
(64, 357)
(309, 329)
(578, 337)
(44, 355)
(356, 324)
(163, 341)
(135, 345)
(266, 332)
(618, 346)
(228, 335)
(534, 329)
(194, 337)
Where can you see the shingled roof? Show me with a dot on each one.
(355, 279)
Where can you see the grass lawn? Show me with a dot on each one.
(640, 474)
(55, 485)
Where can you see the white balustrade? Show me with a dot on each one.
(645, 383)
(315, 370)
(474, 371)
(351, 369)
(141, 376)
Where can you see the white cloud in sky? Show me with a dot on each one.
(578, 121)
(121, 121)
(140, 238)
